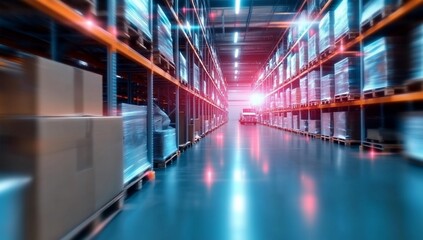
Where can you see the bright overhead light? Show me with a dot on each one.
(82, 63)
(236, 71)
(236, 37)
(236, 52)
(236, 64)
(237, 6)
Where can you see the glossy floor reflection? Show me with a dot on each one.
(256, 182)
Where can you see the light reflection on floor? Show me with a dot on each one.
(255, 182)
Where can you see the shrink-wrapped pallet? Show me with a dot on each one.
(346, 18)
(327, 124)
(326, 37)
(347, 125)
(137, 13)
(164, 34)
(313, 86)
(327, 87)
(303, 90)
(412, 134)
(313, 51)
(417, 54)
(314, 126)
(183, 70)
(295, 96)
(303, 55)
(346, 77)
(371, 8)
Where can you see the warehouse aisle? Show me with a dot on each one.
(255, 182)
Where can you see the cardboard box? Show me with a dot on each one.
(75, 165)
(42, 87)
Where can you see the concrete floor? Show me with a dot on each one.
(256, 182)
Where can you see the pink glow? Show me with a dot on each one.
(209, 177)
(308, 199)
(265, 168)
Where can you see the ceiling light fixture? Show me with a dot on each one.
(236, 37)
(236, 53)
(237, 6)
(236, 64)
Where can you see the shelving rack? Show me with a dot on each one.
(389, 102)
(129, 68)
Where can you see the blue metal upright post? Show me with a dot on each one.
(53, 40)
(111, 62)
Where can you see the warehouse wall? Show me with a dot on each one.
(238, 98)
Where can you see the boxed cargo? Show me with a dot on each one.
(281, 73)
(314, 126)
(42, 87)
(295, 122)
(12, 189)
(384, 64)
(295, 96)
(303, 52)
(326, 37)
(196, 77)
(347, 125)
(288, 69)
(288, 98)
(183, 70)
(304, 125)
(313, 86)
(164, 143)
(289, 123)
(135, 160)
(327, 86)
(75, 164)
(346, 18)
(303, 89)
(417, 53)
(412, 134)
(163, 34)
(294, 64)
(373, 7)
(327, 124)
(312, 7)
(313, 51)
(292, 35)
(346, 77)
(137, 13)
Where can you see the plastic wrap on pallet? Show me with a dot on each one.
(205, 87)
(373, 7)
(137, 12)
(295, 122)
(289, 120)
(196, 77)
(281, 73)
(135, 159)
(288, 69)
(412, 134)
(294, 64)
(346, 125)
(327, 124)
(288, 98)
(312, 48)
(162, 116)
(275, 80)
(302, 23)
(304, 125)
(292, 35)
(417, 54)
(303, 90)
(311, 7)
(327, 87)
(346, 18)
(303, 52)
(164, 35)
(295, 96)
(282, 99)
(183, 70)
(383, 64)
(346, 77)
(326, 39)
(314, 86)
(164, 143)
(314, 126)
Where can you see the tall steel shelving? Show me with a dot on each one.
(406, 13)
(135, 70)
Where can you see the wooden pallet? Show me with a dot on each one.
(383, 147)
(315, 135)
(313, 62)
(326, 138)
(168, 160)
(326, 101)
(184, 146)
(383, 92)
(296, 105)
(414, 86)
(345, 38)
(376, 18)
(98, 220)
(138, 40)
(304, 133)
(313, 103)
(346, 97)
(346, 142)
(326, 53)
(162, 62)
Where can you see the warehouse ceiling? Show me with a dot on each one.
(259, 24)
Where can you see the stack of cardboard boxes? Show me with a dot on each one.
(52, 130)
